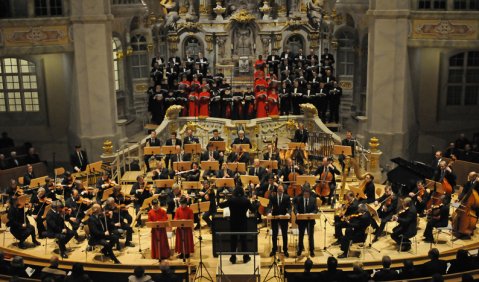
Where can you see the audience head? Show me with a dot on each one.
(357, 266)
(467, 277)
(433, 254)
(77, 269)
(332, 263)
(308, 264)
(437, 277)
(408, 264)
(17, 261)
(139, 271)
(54, 261)
(238, 192)
(386, 262)
(462, 255)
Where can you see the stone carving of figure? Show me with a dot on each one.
(192, 9)
(315, 11)
(243, 45)
(171, 13)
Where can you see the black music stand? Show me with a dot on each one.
(199, 274)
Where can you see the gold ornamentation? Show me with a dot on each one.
(374, 144)
(129, 51)
(309, 110)
(209, 42)
(107, 147)
(173, 40)
(38, 36)
(183, 9)
(190, 26)
(295, 23)
(203, 9)
(242, 16)
(291, 124)
(346, 85)
(173, 111)
(444, 29)
(141, 87)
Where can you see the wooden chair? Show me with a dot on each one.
(86, 229)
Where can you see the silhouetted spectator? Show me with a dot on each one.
(4, 265)
(78, 274)
(14, 161)
(307, 275)
(332, 273)
(5, 141)
(462, 262)
(358, 274)
(52, 272)
(17, 267)
(139, 275)
(461, 141)
(32, 156)
(386, 273)
(166, 274)
(408, 271)
(435, 265)
(467, 277)
(3, 162)
(437, 278)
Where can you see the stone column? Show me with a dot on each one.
(389, 106)
(93, 103)
(374, 160)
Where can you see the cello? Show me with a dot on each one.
(293, 188)
(464, 218)
(322, 188)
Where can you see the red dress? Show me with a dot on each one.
(260, 64)
(258, 74)
(159, 239)
(184, 213)
(261, 104)
(204, 103)
(193, 104)
(273, 107)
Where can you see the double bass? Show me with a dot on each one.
(322, 188)
(294, 189)
(464, 218)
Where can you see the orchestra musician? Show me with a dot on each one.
(104, 182)
(184, 237)
(387, 205)
(39, 201)
(369, 189)
(179, 156)
(152, 141)
(67, 183)
(122, 200)
(224, 172)
(266, 186)
(13, 190)
(407, 225)
(212, 155)
(445, 172)
(116, 215)
(79, 159)
(173, 200)
(161, 172)
(279, 204)
(257, 170)
(56, 227)
(19, 224)
(190, 138)
(140, 191)
(51, 189)
(29, 175)
(420, 196)
(194, 174)
(303, 205)
(438, 216)
(172, 141)
(289, 168)
(216, 136)
(77, 206)
(437, 159)
(271, 154)
(471, 184)
(208, 194)
(356, 225)
(349, 207)
(159, 239)
(238, 156)
(328, 171)
(100, 233)
(238, 205)
(301, 134)
(241, 139)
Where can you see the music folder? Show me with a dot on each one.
(37, 182)
(271, 164)
(168, 150)
(225, 182)
(218, 145)
(158, 224)
(308, 216)
(94, 167)
(192, 148)
(240, 167)
(200, 207)
(247, 179)
(345, 150)
(263, 201)
(210, 165)
(182, 223)
(191, 185)
(302, 179)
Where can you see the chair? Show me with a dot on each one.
(86, 229)
(413, 238)
(362, 246)
(4, 219)
(446, 230)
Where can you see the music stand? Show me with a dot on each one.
(192, 148)
(37, 182)
(236, 167)
(168, 150)
(218, 145)
(164, 183)
(245, 147)
(296, 145)
(302, 179)
(182, 224)
(225, 182)
(249, 179)
(93, 168)
(158, 224)
(374, 214)
(263, 201)
(342, 150)
(181, 166)
(152, 150)
(272, 164)
(308, 216)
(199, 208)
(437, 186)
(210, 165)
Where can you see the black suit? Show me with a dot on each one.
(221, 173)
(234, 157)
(191, 140)
(434, 266)
(245, 140)
(260, 172)
(217, 139)
(406, 228)
(440, 175)
(238, 220)
(339, 224)
(301, 136)
(355, 230)
(98, 227)
(55, 226)
(441, 220)
(386, 274)
(279, 205)
(370, 192)
(332, 185)
(27, 178)
(79, 159)
(301, 206)
(169, 142)
(150, 143)
(333, 275)
(180, 158)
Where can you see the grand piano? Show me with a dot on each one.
(403, 178)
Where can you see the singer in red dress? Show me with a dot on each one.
(273, 105)
(159, 239)
(204, 102)
(261, 98)
(184, 236)
(193, 104)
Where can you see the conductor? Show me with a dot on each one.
(238, 206)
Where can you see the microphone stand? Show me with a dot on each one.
(199, 271)
(326, 222)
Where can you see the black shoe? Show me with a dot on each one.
(272, 253)
(233, 259)
(89, 248)
(22, 245)
(406, 248)
(246, 259)
(64, 255)
(118, 247)
(375, 239)
(298, 253)
(115, 260)
(197, 227)
(429, 240)
(343, 255)
(311, 254)
(286, 254)
(36, 243)
(129, 244)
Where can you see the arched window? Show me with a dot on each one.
(463, 79)
(139, 58)
(48, 8)
(18, 86)
(117, 56)
(294, 43)
(346, 55)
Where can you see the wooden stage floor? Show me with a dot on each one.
(132, 255)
